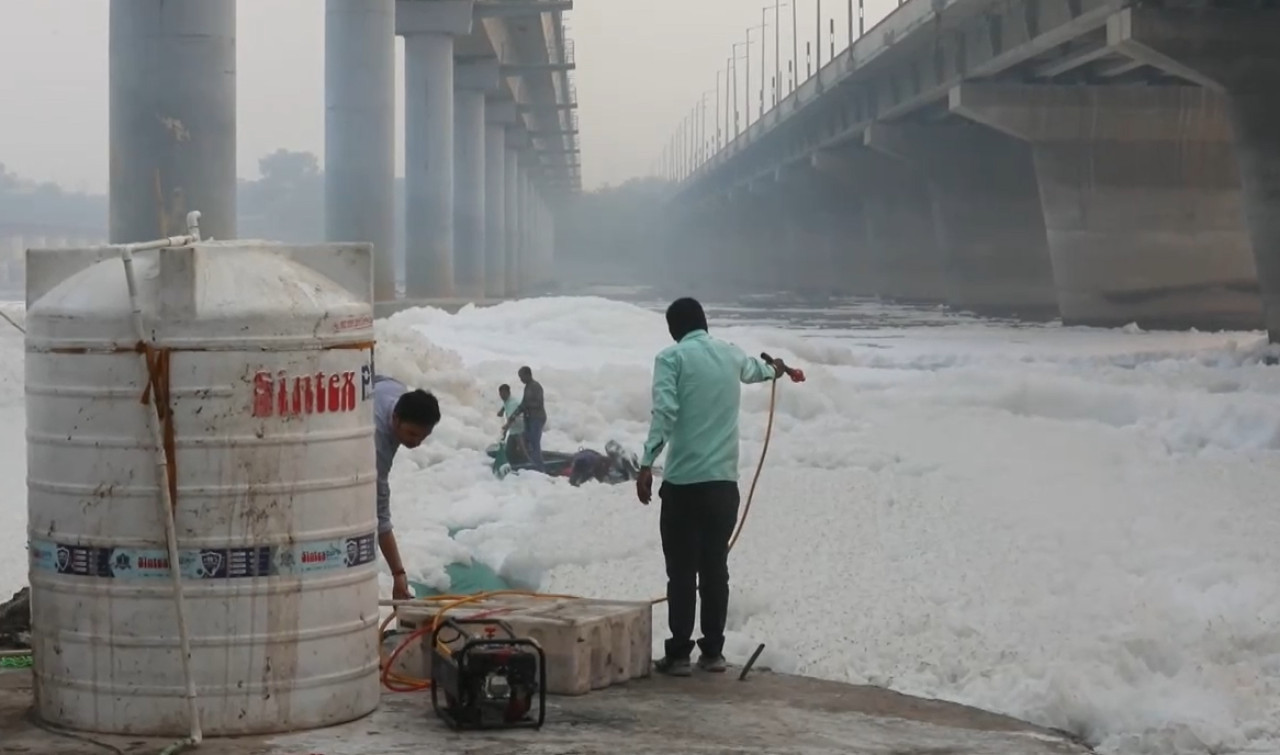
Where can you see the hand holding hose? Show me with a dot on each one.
(797, 376)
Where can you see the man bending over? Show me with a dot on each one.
(400, 418)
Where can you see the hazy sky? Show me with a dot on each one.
(641, 66)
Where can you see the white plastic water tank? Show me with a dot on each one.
(269, 351)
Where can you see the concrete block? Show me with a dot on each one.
(500, 113)
(1042, 114)
(589, 644)
(452, 17)
(1232, 49)
(477, 75)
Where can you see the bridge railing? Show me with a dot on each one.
(810, 82)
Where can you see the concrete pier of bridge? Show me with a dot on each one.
(989, 231)
(360, 108)
(1232, 51)
(903, 255)
(1141, 199)
(472, 82)
(172, 125)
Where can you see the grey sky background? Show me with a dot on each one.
(641, 66)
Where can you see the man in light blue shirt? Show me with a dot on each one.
(401, 417)
(513, 438)
(696, 400)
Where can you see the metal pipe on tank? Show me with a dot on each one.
(172, 73)
(164, 471)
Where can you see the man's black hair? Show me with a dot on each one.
(685, 316)
(504, 387)
(418, 408)
(525, 371)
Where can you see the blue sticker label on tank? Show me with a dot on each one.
(206, 563)
(134, 563)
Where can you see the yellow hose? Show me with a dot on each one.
(449, 602)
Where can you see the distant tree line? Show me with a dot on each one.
(610, 235)
(34, 203)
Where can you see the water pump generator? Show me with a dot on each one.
(489, 678)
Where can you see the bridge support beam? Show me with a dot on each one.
(986, 211)
(495, 211)
(472, 81)
(511, 203)
(900, 238)
(172, 71)
(1141, 199)
(429, 30)
(524, 264)
(359, 132)
(1235, 51)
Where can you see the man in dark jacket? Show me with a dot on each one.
(534, 412)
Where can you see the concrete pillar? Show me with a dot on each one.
(172, 71)
(533, 241)
(1232, 50)
(495, 211)
(511, 200)
(359, 133)
(471, 81)
(1141, 199)
(905, 260)
(986, 212)
(429, 30)
(429, 231)
(468, 193)
(548, 242)
(523, 267)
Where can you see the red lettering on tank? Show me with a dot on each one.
(309, 395)
(152, 563)
(348, 391)
(262, 394)
(314, 557)
(335, 393)
(282, 395)
(300, 387)
(282, 407)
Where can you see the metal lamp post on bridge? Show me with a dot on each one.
(817, 41)
(702, 128)
(777, 48)
(795, 44)
(750, 29)
(733, 64)
(717, 137)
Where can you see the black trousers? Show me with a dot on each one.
(696, 523)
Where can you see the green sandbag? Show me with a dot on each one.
(465, 579)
